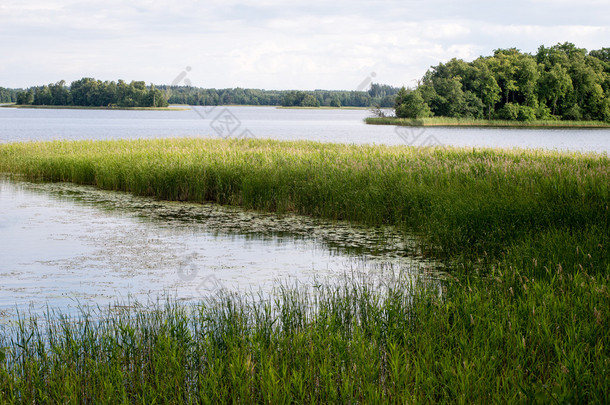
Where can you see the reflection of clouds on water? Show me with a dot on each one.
(73, 243)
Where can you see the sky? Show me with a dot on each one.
(269, 44)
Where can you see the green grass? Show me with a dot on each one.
(465, 122)
(512, 340)
(523, 316)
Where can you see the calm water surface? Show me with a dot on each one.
(345, 126)
(63, 245)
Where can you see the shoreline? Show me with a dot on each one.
(173, 107)
(322, 108)
(456, 122)
(79, 107)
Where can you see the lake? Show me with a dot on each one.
(64, 245)
(324, 125)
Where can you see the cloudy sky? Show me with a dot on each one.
(273, 44)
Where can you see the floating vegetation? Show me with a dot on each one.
(71, 244)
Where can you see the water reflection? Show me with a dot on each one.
(64, 245)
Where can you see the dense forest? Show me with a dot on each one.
(91, 92)
(8, 95)
(94, 93)
(377, 95)
(560, 82)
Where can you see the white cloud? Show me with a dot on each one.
(273, 44)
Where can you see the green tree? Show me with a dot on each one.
(489, 90)
(60, 94)
(155, 98)
(601, 54)
(410, 104)
(554, 85)
(25, 97)
(509, 111)
(449, 100)
(527, 76)
(309, 100)
(504, 65)
(473, 106)
(43, 96)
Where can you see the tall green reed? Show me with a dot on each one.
(531, 326)
(472, 201)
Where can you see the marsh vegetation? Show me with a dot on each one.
(522, 316)
(482, 123)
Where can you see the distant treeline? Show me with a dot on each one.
(560, 82)
(94, 93)
(8, 95)
(377, 95)
(91, 92)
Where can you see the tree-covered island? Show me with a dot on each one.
(561, 82)
(89, 92)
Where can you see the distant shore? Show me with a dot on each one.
(79, 107)
(322, 108)
(173, 107)
(461, 122)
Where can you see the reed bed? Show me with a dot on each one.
(523, 316)
(460, 201)
(472, 122)
(512, 341)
